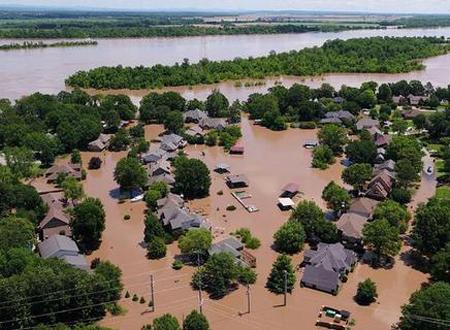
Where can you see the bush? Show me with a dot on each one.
(126, 217)
(253, 243)
(367, 292)
(142, 300)
(322, 157)
(127, 295)
(135, 297)
(307, 125)
(231, 208)
(177, 264)
(94, 263)
(95, 163)
(246, 237)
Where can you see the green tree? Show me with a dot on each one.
(153, 228)
(431, 232)
(428, 303)
(314, 222)
(16, 233)
(166, 322)
(88, 222)
(440, 265)
(334, 137)
(174, 122)
(195, 321)
(367, 99)
(357, 175)
(406, 172)
(156, 248)
(130, 174)
(367, 292)
(196, 240)
(403, 147)
(290, 237)
(73, 189)
(322, 157)
(75, 156)
(362, 151)
(337, 198)
(20, 161)
(281, 269)
(382, 238)
(397, 215)
(384, 93)
(120, 141)
(217, 104)
(192, 177)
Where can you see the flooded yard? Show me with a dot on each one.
(271, 160)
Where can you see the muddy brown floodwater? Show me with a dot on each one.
(271, 160)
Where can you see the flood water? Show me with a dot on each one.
(26, 71)
(271, 160)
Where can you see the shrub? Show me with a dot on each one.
(142, 300)
(94, 263)
(231, 208)
(401, 195)
(135, 297)
(156, 248)
(127, 295)
(126, 217)
(253, 243)
(367, 292)
(177, 264)
(95, 163)
(307, 125)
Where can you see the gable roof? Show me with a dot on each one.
(57, 244)
(291, 188)
(366, 123)
(351, 224)
(231, 245)
(363, 206)
(332, 257)
(54, 212)
(194, 115)
(321, 278)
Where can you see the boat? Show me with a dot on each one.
(138, 198)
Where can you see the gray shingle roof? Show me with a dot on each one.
(57, 246)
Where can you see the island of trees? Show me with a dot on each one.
(383, 55)
(41, 44)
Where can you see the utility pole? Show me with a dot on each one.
(152, 293)
(248, 299)
(285, 287)
(200, 299)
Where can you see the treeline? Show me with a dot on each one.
(40, 44)
(137, 29)
(378, 54)
(419, 21)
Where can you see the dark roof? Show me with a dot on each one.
(231, 245)
(333, 257)
(236, 179)
(321, 278)
(351, 224)
(363, 206)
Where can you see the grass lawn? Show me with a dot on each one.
(443, 192)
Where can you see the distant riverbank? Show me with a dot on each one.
(41, 44)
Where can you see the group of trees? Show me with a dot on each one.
(193, 321)
(332, 139)
(28, 282)
(192, 178)
(354, 55)
(40, 127)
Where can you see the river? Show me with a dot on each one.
(25, 71)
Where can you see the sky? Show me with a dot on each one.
(380, 6)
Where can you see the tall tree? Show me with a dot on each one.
(334, 137)
(88, 222)
(130, 174)
(191, 177)
(384, 239)
(281, 269)
(290, 237)
(357, 175)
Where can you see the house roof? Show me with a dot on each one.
(57, 243)
(388, 165)
(166, 178)
(291, 188)
(162, 164)
(217, 123)
(195, 130)
(54, 212)
(194, 115)
(382, 140)
(311, 142)
(286, 202)
(351, 224)
(333, 257)
(231, 245)
(363, 206)
(77, 261)
(320, 277)
(331, 120)
(366, 123)
(238, 178)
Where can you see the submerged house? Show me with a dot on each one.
(176, 217)
(70, 169)
(290, 190)
(310, 144)
(172, 142)
(234, 247)
(213, 123)
(381, 185)
(367, 123)
(100, 144)
(237, 181)
(56, 221)
(63, 247)
(363, 206)
(350, 226)
(156, 155)
(194, 116)
(327, 267)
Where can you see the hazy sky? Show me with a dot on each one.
(398, 6)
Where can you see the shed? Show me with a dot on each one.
(237, 149)
(222, 168)
(285, 203)
(237, 181)
(310, 144)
